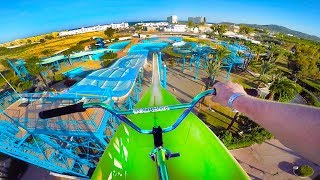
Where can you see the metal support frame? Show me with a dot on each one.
(164, 79)
(19, 69)
(183, 62)
(60, 149)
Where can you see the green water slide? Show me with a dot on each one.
(202, 155)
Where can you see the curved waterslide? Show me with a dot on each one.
(203, 156)
(115, 81)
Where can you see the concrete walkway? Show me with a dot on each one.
(271, 160)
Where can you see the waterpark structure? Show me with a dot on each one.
(85, 143)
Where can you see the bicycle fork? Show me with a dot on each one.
(160, 154)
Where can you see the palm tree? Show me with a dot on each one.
(33, 67)
(214, 65)
(266, 70)
(214, 29)
(222, 28)
(283, 88)
(273, 49)
(72, 49)
(138, 28)
(258, 52)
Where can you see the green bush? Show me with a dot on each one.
(84, 41)
(15, 81)
(169, 50)
(58, 77)
(311, 84)
(106, 62)
(310, 98)
(251, 133)
(26, 85)
(109, 55)
(304, 171)
(226, 137)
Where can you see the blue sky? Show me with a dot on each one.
(23, 18)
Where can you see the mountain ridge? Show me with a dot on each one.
(280, 29)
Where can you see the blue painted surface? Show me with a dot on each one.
(56, 149)
(160, 39)
(115, 47)
(74, 72)
(175, 39)
(118, 79)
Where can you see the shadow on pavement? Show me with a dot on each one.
(286, 166)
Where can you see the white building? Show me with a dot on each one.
(93, 28)
(154, 24)
(194, 30)
(175, 28)
(234, 28)
(172, 19)
(197, 20)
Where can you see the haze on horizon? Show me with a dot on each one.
(20, 18)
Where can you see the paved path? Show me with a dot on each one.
(271, 160)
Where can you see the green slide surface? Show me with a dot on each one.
(202, 155)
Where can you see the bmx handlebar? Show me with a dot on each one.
(121, 115)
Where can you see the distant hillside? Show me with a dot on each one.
(281, 29)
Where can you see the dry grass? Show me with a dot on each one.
(53, 45)
(92, 65)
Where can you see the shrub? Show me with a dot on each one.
(226, 137)
(58, 77)
(106, 62)
(304, 171)
(48, 37)
(169, 50)
(109, 55)
(26, 85)
(15, 81)
(251, 133)
(84, 41)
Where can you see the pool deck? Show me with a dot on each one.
(271, 160)
(125, 50)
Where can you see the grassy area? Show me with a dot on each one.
(52, 46)
(200, 41)
(169, 50)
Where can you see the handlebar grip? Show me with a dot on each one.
(174, 155)
(214, 92)
(62, 111)
(252, 92)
